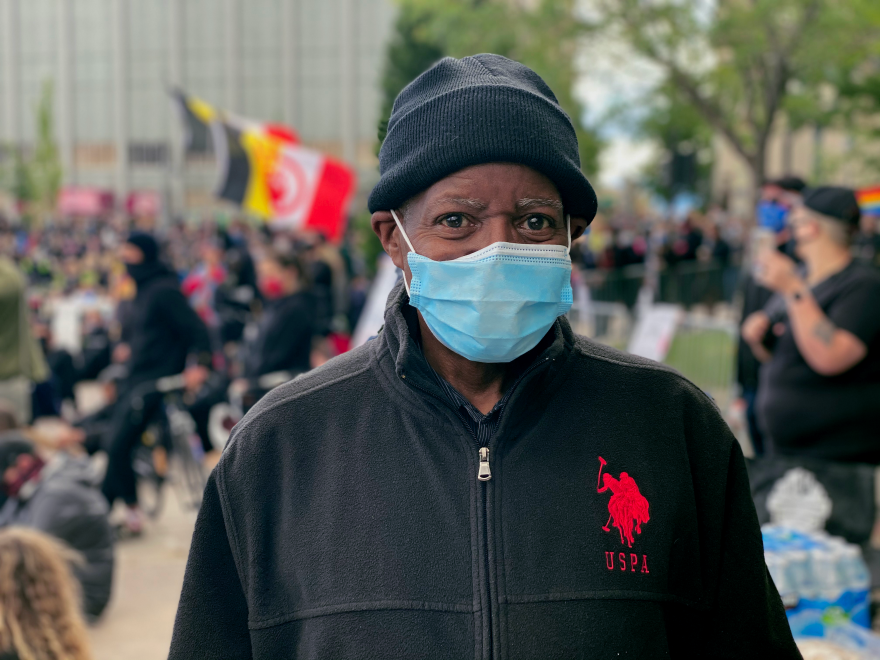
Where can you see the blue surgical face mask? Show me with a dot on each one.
(772, 215)
(495, 304)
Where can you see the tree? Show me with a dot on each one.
(543, 36)
(37, 178)
(685, 141)
(743, 63)
(411, 52)
(859, 87)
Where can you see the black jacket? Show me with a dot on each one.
(346, 520)
(284, 336)
(162, 329)
(754, 298)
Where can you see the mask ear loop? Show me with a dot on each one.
(568, 231)
(412, 249)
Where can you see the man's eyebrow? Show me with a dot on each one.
(536, 202)
(474, 204)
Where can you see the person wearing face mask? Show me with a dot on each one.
(478, 481)
(164, 337)
(771, 219)
(819, 338)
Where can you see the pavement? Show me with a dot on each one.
(138, 622)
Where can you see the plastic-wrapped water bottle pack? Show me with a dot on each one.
(824, 584)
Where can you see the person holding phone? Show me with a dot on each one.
(819, 337)
(772, 230)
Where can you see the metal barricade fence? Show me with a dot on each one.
(703, 348)
(687, 283)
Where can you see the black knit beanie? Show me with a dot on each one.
(480, 109)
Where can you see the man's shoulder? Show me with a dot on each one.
(593, 350)
(331, 388)
(646, 376)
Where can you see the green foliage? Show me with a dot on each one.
(411, 52)
(543, 37)
(741, 64)
(676, 127)
(366, 242)
(859, 88)
(36, 180)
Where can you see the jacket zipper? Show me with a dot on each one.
(484, 474)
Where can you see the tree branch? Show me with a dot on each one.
(713, 114)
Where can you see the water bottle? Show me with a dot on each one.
(824, 574)
(854, 569)
(798, 571)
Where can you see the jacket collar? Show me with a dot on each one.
(540, 367)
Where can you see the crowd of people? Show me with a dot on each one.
(122, 305)
(224, 307)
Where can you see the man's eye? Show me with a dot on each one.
(537, 223)
(453, 221)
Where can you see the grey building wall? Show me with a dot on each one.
(111, 63)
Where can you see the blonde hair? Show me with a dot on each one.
(838, 231)
(40, 616)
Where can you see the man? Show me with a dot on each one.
(777, 199)
(57, 497)
(163, 334)
(819, 338)
(437, 492)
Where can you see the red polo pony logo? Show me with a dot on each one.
(627, 506)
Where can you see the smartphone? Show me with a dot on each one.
(763, 239)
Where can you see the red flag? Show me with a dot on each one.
(309, 190)
(281, 133)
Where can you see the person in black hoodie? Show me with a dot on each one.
(478, 481)
(163, 334)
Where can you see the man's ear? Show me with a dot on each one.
(389, 235)
(578, 227)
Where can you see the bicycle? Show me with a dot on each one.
(166, 452)
(224, 416)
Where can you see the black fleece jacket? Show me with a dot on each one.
(346, 519)
(161, 328)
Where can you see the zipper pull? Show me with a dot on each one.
(485, 473)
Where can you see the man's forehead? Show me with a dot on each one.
(494, 184)
(521, 204)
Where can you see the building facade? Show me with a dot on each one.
(832, 156)
(312, 64)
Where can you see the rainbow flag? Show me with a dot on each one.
(869, 200)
